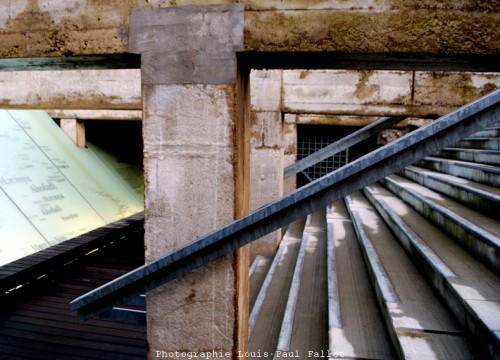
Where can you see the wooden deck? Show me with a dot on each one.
(35, 320)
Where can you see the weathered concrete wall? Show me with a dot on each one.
(71, 89)
(30, 28)
(190, 158)
(348, 120)
(85, 114)
(382, 26)
(189, 191)
(347, 92)
(340, 92)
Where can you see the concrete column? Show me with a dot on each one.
(266, 151)
(189, 82)
(75, 129)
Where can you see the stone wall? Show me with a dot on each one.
(31, 28)
(375, 93)
(266, 149)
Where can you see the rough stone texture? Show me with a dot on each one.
(336, 120)
(346, 91)
(389, 135)
(71, 89)
(188, 159)
(266, 172)
(432, 31)
(478, 5)
(127, 115)
(371, 5)
(266, 90)
(265, 130)
(188, 163)
(30, 28)
(266, 153)
(192, 167)
(343, 120)
(188, 45)
(380, 93)
(374, 5)
(451, 90)
(193, 313)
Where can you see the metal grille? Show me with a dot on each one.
(312, 138)
(310, 145)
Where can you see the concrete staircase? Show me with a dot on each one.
(407, 268)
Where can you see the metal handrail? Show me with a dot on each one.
(370, 168)
(341, 145)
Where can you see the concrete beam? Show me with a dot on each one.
(405, 29)
(346, 120)
(120, 115)
(51, 28)
(75, 89)
(195, 52)
(379, 93)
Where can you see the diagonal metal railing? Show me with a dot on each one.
(342, 144)
(368, 169)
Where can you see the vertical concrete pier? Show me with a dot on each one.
(189, 90)
(266, 149)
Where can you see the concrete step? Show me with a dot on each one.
(420, 326)
(493, 131)
(487, 157)
(471, 291)
(355, 325)
(476, 232)
(266, 315)
(303, 330)
(258, 271)
(483, 143)
(486, 174)
(484, 198)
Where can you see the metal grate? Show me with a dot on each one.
(310, 145)
(312, 138)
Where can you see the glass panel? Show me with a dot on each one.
(18, 237)
(51, 190)
(37, 186)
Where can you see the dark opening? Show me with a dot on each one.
(120, 138)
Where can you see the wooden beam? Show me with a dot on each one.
(75, 129)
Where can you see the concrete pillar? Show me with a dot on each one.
(191, 157)
(266, 152)
(75, 129)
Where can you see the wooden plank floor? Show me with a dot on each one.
(37, 324)
(48, 260)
